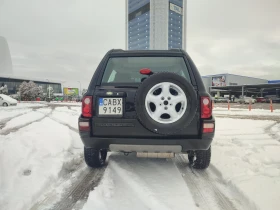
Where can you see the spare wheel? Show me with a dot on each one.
(166, 103)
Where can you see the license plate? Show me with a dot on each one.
(110, 106)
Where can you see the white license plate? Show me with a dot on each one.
(110, 106)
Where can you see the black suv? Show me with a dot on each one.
(151, 102)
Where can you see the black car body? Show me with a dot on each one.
(129, 126)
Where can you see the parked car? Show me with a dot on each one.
(150, 102)
(275, 100)
(267, 99)
(7, 100)
(221, 100)
(247, 100)
(260, 100)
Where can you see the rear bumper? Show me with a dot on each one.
(201, 142)
(186, 144)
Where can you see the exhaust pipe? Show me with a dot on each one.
(155, 155)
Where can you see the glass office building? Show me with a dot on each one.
(14, 83)
(155, 24)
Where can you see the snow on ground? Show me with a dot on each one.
(44, 110)
(135, 183)
(66, 115)
(74, 103)
(246, 112)
(247, 154)
(23, 119)
(31, 161)
(77, 109)
(27, 104)
(9, 113)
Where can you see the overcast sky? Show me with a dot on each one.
(65, 39)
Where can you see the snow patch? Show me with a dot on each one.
(64, 115)
(44, 110)
(131, 182)
(23, 120)
(246, 112)
(31, 161)
(10, 113)
(248, 157)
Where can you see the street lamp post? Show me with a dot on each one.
(80, 91)
(48, 89)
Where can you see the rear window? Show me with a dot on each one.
(127, 69)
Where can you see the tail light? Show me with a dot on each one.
(87, 104)
(84, 126)
(206, 107)
(208, 127)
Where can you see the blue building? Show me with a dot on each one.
(273, 81)
(155, 24)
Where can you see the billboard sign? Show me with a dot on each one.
(176, 9)
(219, 81)
(71, 91)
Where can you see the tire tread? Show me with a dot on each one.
(92, 158)
(203, 159)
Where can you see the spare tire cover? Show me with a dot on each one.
(166, 112)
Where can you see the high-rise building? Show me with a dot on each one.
(5, 57)
(155, 24)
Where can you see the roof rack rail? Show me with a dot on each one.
(117, 50)
(175, 49)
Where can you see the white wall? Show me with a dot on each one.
(233, 80)
(241, 80)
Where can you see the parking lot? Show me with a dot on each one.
(265, 106)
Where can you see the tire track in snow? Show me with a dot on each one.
(210, 191)
(140, 183)
(76, 192)
(16, 128)
(4, 121)
(273, 134)
(65, 124)
(80, 190)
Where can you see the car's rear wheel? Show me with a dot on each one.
(5, 104)
(95, 158)
(200, 159)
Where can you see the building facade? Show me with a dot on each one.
(219, 80)
(155, 24)
(211, 82)
(13, 84)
